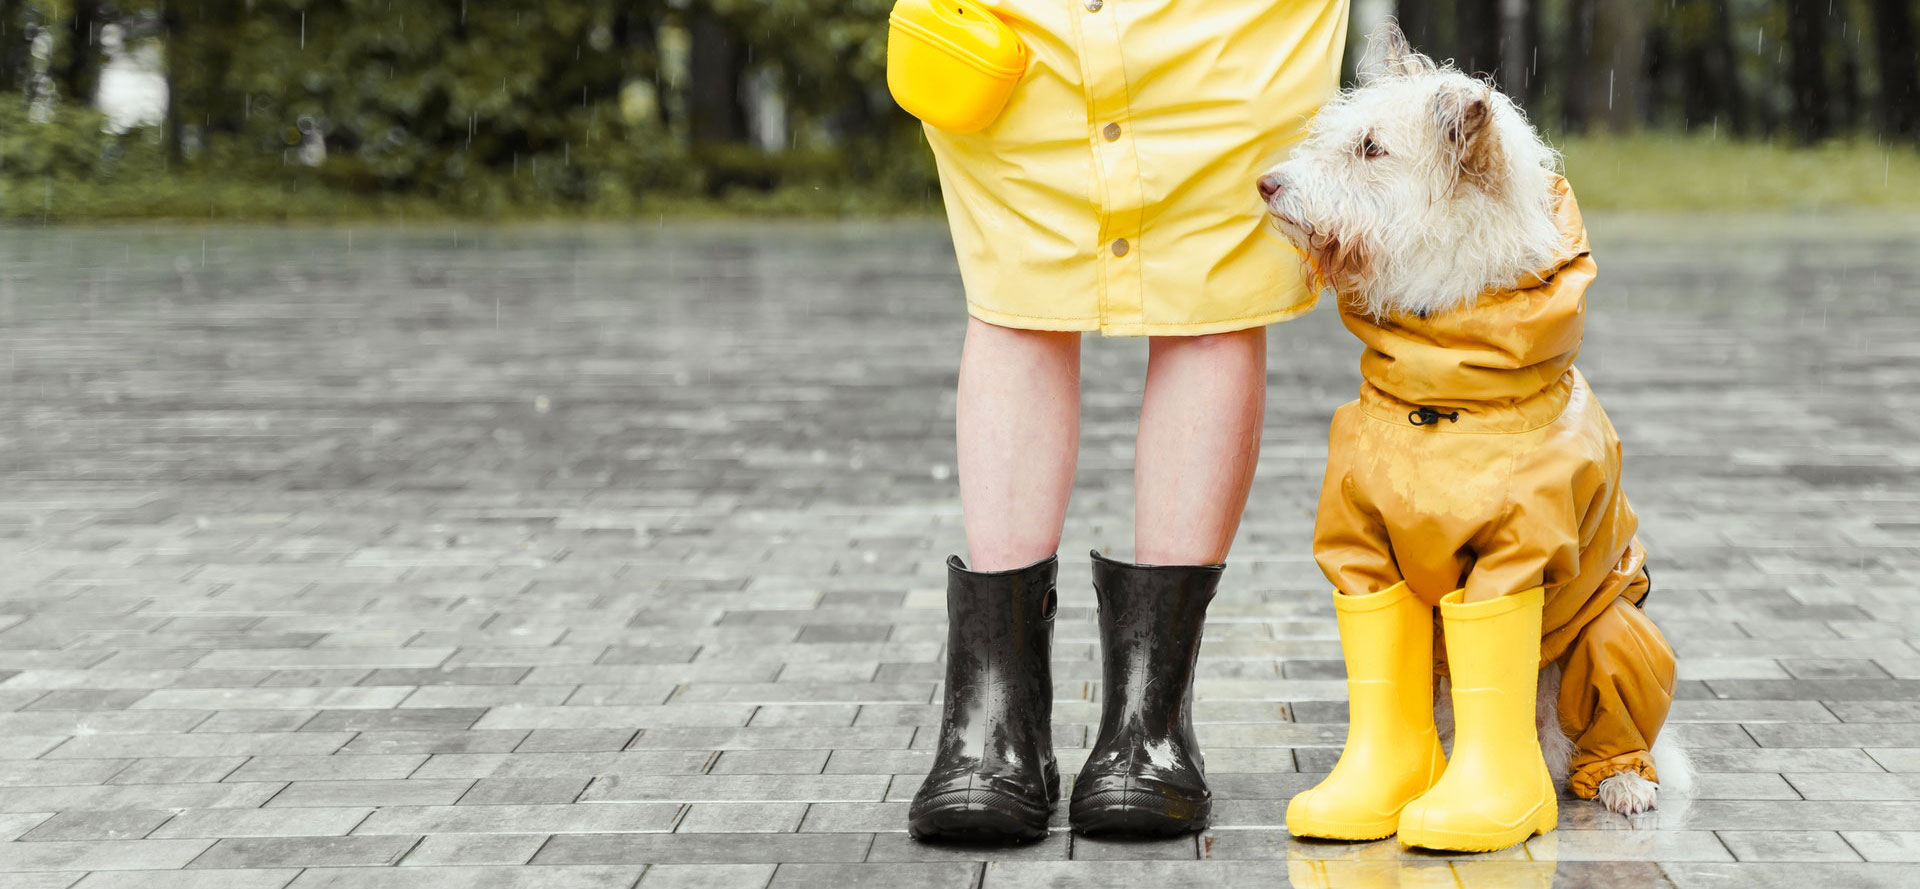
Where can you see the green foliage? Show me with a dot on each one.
(1668, 172)
(524, 108)
(828, 50)
(491, 109)
(471, 104)
(69, 146)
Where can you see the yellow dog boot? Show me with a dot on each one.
(1496, 791)
(1393, 750)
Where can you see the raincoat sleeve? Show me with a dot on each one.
(1615, 690)
(1350, 539)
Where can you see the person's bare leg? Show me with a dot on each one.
(1198, 444)
(1018, 431)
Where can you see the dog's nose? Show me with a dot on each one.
(1269, 186)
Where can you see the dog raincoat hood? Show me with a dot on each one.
(1477, 458)
(1510, 347)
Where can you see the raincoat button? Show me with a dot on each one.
(1112, 132)
(1120, 246)
(1094, 5)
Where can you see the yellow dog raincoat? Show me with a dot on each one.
(1477, 457)
(1114, 192)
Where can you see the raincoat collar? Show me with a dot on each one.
(1502, 362)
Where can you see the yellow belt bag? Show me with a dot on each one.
(952, 63)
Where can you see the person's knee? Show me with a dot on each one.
(1233, 344)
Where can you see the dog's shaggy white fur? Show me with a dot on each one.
(1417, 192)
(1419, 189)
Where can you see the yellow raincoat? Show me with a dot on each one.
(1477, 457)
(1115, 191)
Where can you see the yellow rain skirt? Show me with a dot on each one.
(1115, 192)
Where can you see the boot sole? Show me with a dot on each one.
(1543, 822)
(1301, 824)
(980, 816)
(1331, 830)
(1137, 813)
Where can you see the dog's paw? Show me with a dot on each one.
(1627, 793)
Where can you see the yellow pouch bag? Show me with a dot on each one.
(952, 63)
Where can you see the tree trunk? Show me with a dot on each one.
(1848, 108)
(1617, 62)
(714, 106)
(1694, 72)
(173, 52)
(1417, 19)
(1576, 66)
(1658, 75)
(80, 74)
(636, 35)
(1477, 32)
(1522, 53)
(1806, 69)
(1695, 54)
(1724, 66)
(1899, 82)
(13, 46)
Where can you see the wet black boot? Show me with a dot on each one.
(994, 778)
(1144, 776)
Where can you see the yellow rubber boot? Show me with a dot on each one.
(1393, 750)
(1496, 791)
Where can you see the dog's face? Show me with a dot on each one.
(1417, 190)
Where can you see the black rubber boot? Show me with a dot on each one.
(1145, 776)
(994, 778)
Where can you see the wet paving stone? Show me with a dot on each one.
(604, 556)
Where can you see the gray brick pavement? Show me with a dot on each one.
(607, 557)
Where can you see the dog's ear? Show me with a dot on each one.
(1392, 55)
(1467, 133)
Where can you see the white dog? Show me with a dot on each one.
(1375, 191)
(1413, 196)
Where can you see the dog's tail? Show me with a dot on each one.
(1676, 770)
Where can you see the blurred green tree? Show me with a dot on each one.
(608, 104)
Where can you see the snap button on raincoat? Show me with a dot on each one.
(1113, 192)
(1509, 481)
